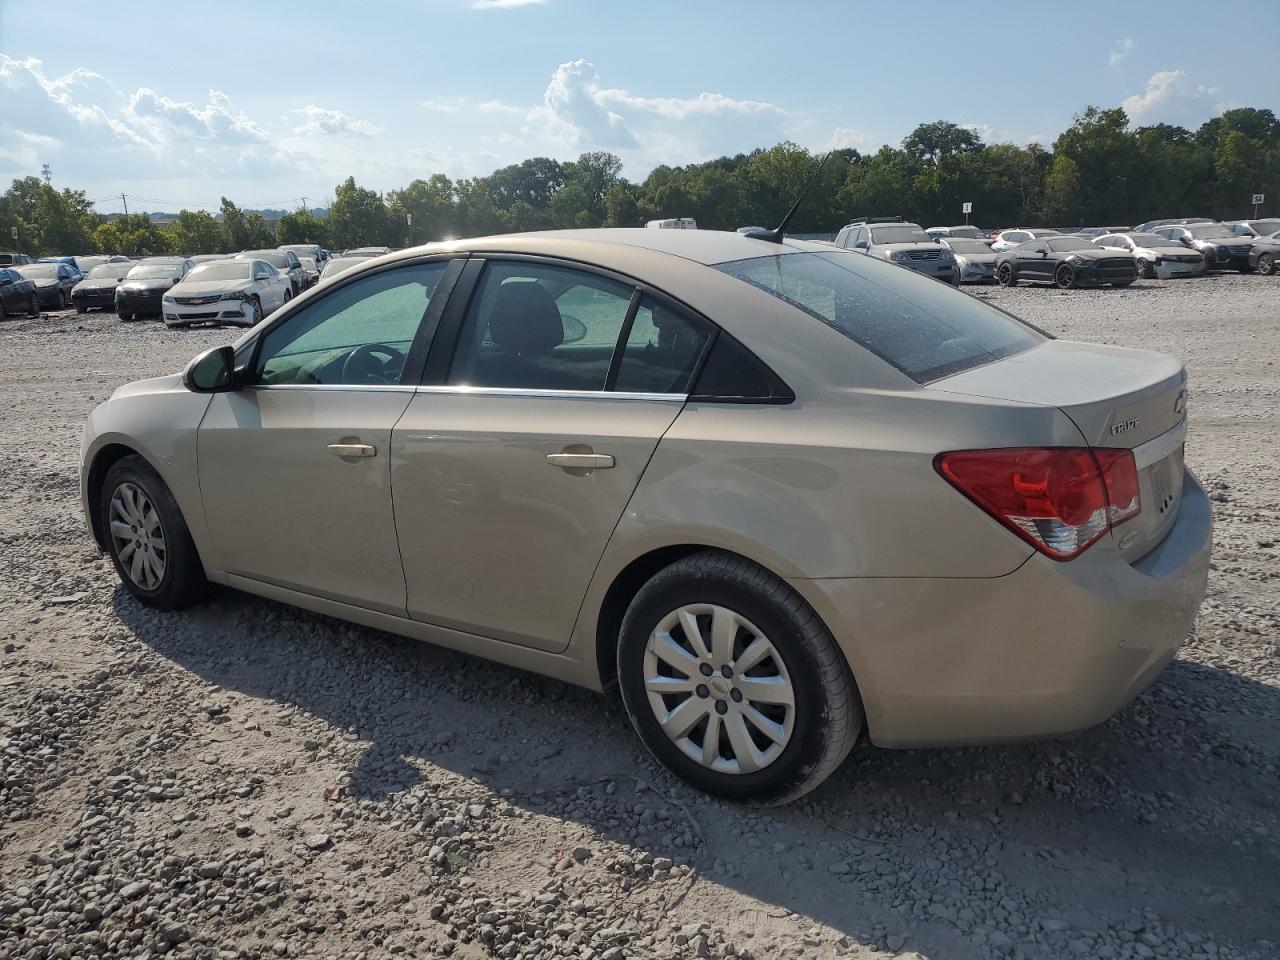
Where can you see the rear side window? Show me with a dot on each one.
(661, 350)
(922, 327)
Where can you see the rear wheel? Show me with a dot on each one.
(1065, 277)
(128, 317)
(1005, 277)
(4, 312)
(1146, 269)
(733, 682)
(147, 537)
(1267, 264)
(81, 308)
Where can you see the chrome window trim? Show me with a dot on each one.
(530, 392)
(464, 390)
(1157, 448)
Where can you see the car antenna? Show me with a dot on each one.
(777, 233)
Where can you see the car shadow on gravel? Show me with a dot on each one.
(1165, 808)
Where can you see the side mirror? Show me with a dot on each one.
(211, 372)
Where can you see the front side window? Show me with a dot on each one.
(919, 326)
(662, 349)
(360, 334)
(535, 326)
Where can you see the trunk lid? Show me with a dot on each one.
(1117, 397)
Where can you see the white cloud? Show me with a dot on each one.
(579, 113)
(443, 104)
(845, 138)
(168, 121)
(318, 121)
(503, 4)
(1171, 96)
(1120, 51)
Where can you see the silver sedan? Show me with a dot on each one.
(773, 492)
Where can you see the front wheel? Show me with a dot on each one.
(81, 308)
(147, 537)
(256, 305)
(733, 682)
(1146, 269)
(1005, 277)
(128, 317)
(1065, 277)
(1267, 264)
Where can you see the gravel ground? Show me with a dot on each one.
(248, 780)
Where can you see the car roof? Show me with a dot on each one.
(707, 247)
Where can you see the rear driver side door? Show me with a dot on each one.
(513, 463)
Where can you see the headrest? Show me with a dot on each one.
(524, 319)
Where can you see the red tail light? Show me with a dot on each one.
(1058, 499)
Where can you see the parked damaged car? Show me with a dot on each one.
(1157, 257)
(98, 289)
(1066, 262)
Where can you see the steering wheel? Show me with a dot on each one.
(363, 364)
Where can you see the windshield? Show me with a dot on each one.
(221, 270)
(307, 262)
(1070, 243)
(1152, 240)
(155, 271)
(1212, 231)
(1264, 228)
(108, 271)
(920, 326)
(968, 246)
(338, 264)
(899, 233)
(44, 271)
(274, 257)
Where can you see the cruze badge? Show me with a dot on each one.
(1124, 426)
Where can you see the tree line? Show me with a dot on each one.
(1100, 171)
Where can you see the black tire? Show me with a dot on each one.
(81, 308)
(4, 312)
(1005, 276)
(257, 311)
(828, 714)
(1146, 270)
(1267, 264)
(1065, 277)
(183, 581)
(128, 317)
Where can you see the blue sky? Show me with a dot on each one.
(182, 104)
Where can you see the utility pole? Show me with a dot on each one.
(126, 204)
(304, 202)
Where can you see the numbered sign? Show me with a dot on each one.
(1258, 198)
(13, 232)
(967, 207)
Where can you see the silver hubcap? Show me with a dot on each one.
(719, 688)
(138, 536)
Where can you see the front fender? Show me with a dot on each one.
(158, 420)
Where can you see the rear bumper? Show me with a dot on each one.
(1049, 649)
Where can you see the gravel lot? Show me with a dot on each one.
(248, 780)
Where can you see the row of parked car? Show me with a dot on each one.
(1092, 256)
(239, 288)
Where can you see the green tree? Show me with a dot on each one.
(1062, 190)
(301, 226)
(358, 218)
(134, 235)
(930, 143)
(197, 231)
(233, 223)
(431, 203)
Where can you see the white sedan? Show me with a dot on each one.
(227, 291)
(1158, 257)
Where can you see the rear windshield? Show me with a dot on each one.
(918, 325)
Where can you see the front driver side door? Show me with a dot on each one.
(1032, 260)
(295, 466)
